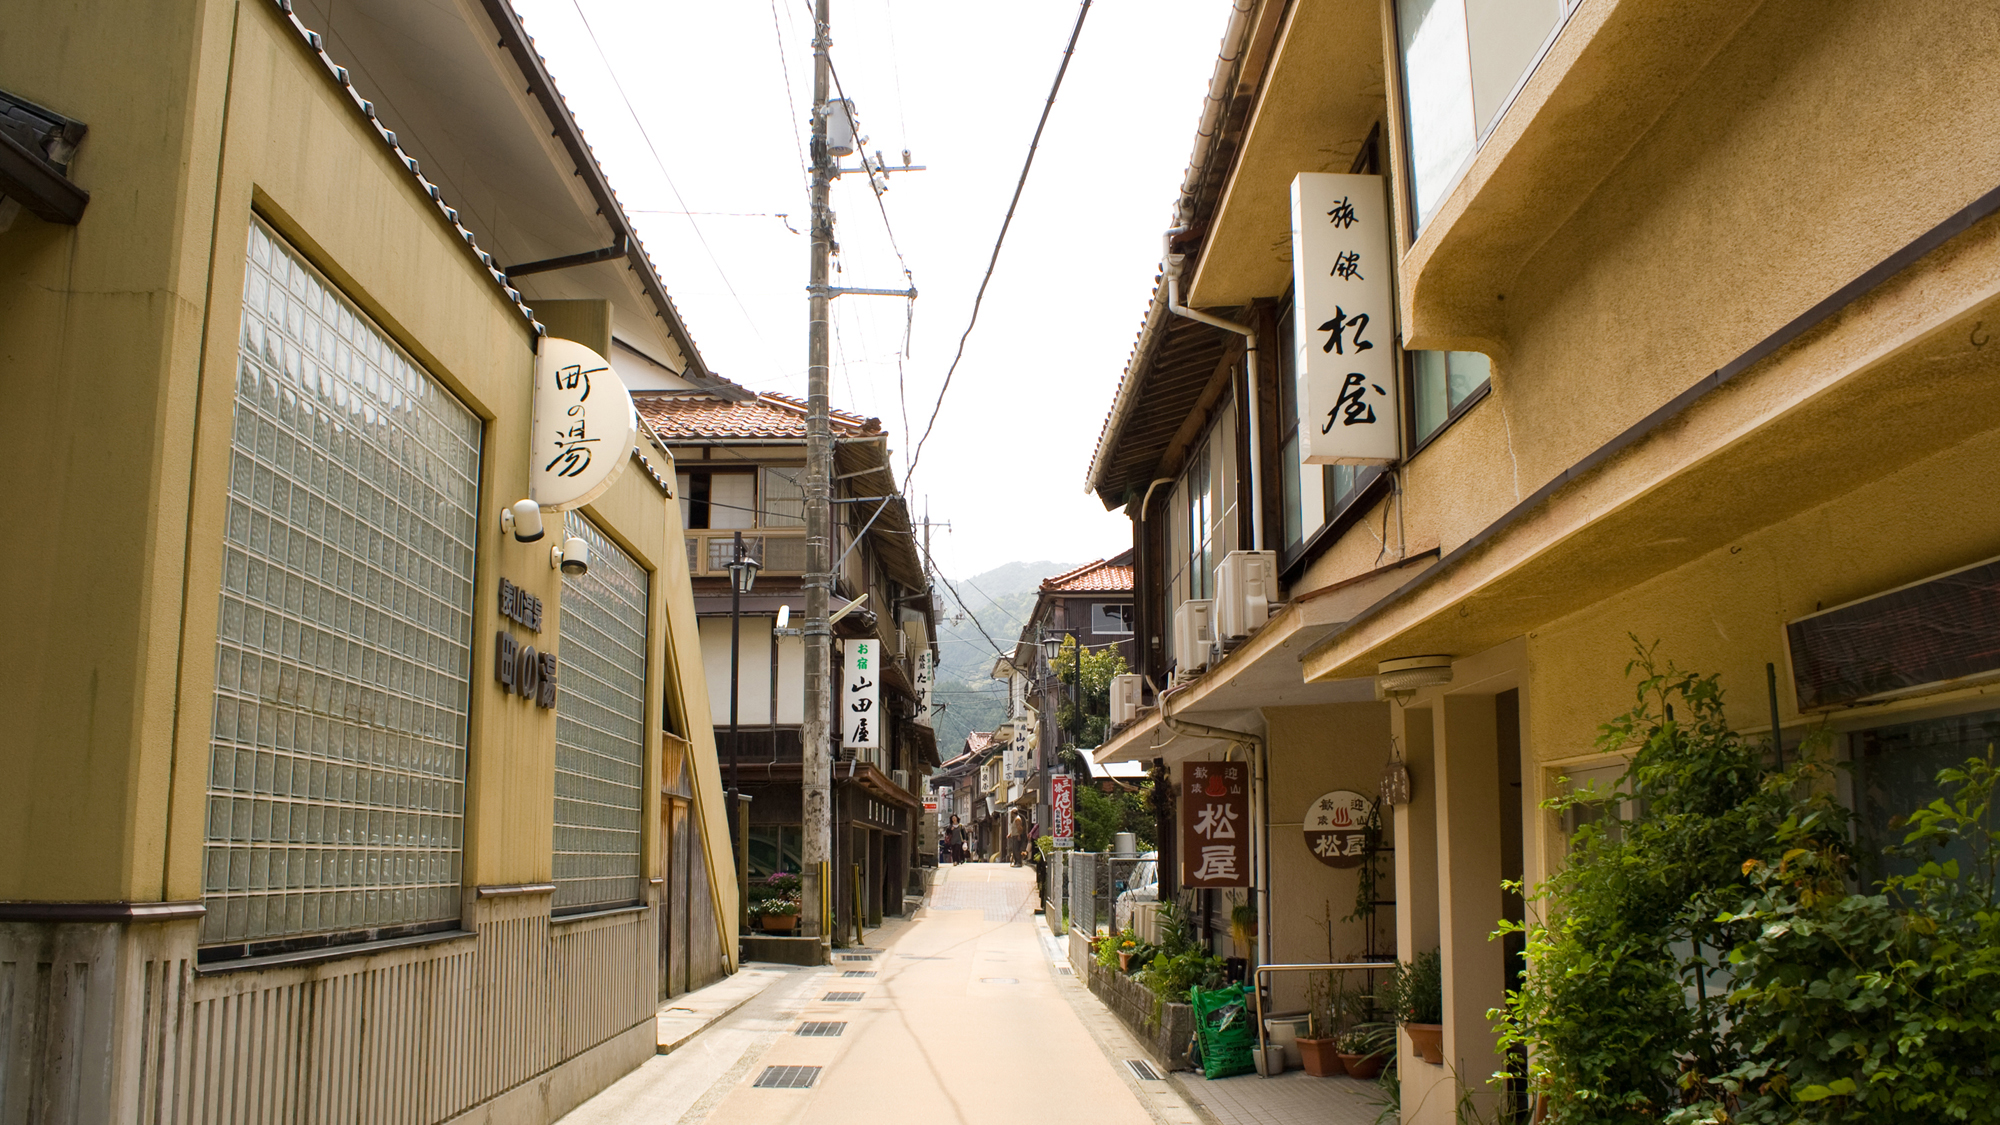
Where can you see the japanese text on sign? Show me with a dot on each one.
(1337, 828)
(860, 724)
(1342, 304)
(1062, 802)
(926, 674)
(584, 425)
(1215, 824)
(520, 607)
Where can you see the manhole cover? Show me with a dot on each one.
(788, 1077)
(859, 973)
(1143, 1070)
(843, 997)
(998, 980)
(822, 1029)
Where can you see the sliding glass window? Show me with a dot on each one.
(1462, 62)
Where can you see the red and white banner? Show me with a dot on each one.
(1062, 795)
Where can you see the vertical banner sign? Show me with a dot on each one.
(1062, 798)
(926, 674)
(1346, 320)
(1215, 824)
(860, 726)
(1336, 828)
(1017, 753)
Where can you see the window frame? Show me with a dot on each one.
(1411, 441)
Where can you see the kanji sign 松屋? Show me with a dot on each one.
(1215, 824)
(1336, 828)
(1062, 797)
(860, 725)
(1345, 313)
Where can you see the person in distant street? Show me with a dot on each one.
(1017, 837)
(955, 841)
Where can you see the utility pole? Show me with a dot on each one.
(816, 758)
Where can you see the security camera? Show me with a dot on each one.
(524, 519)
(573, 556)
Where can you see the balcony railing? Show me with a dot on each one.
(780, 551)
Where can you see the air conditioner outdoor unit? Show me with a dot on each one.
(1125, 698)
(902, 778)
(1245, 586)
(1194, 634)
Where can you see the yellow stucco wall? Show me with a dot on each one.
(119, 339)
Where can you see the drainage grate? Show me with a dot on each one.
(859, 973)
(1065, 971)
(788, 1077)
(857, 957)
(1143, 1070)
(822, 1029)
(998, 980)
(843, 997)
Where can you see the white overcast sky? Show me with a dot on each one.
(960, 85)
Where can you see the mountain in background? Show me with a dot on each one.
(998, 601)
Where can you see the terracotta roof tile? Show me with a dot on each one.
(1104, 575)
(693, 417)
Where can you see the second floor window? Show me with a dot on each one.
(725, 499)
(1442, 385)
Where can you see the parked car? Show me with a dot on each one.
(1141, 887)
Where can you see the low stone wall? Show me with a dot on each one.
(1132, 1002)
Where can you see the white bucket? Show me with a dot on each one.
(1284, 1031)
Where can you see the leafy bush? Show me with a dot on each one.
(1708, 959)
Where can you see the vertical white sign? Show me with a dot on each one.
(1344, 319)
(860, 725)
(925, 675)
(1017, 755)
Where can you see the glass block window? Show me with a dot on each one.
(336, 788)
(600, 728)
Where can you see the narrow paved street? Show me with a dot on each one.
(964, 1014)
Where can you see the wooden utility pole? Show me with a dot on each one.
(816, 752)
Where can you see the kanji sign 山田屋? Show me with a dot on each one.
(861, 726)
(1215, 824)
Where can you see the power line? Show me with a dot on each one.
(791, 103)
(1019, 184)
(970, 616)
(664, 174)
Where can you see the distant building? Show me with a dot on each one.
(741, 471)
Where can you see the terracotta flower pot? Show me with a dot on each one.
(1363, 1066)
(780, 923)
(1319, 1058)
(1124, 960)
(1427, 1040)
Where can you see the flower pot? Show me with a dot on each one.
(780, 923)
(1363, 1066)
(1124, 960)
(1319, 1058)
(1270, 1060)
(1427, 1040)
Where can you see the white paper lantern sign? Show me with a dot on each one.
(584, 426)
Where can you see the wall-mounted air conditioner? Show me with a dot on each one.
(1125, 698)
(1194, 634)
(902, 778)
(1246, 583)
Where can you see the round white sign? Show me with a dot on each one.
(1336, 828)
(584, 426)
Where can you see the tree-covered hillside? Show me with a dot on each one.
(998, 601)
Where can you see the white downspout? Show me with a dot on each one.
(1170, 264)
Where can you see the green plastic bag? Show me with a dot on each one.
(1222, 1022)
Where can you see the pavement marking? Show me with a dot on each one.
(998, 980)
(788, 1077)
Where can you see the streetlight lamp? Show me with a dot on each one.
(742, 576)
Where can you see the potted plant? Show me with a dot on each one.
(1363, 1048)
(1128, 949)
(780, 915)
(1413, 995)
(1316, 1047)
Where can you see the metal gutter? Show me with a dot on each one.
(1909, 254)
